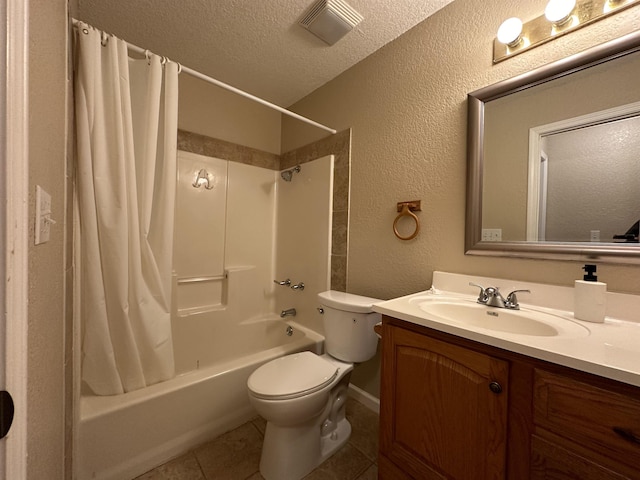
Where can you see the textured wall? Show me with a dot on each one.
(214, 112)
(406, 105)
(47, 165)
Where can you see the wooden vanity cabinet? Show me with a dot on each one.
(455, 409)
(444, 408)
(584, 431)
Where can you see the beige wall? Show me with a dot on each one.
(209, 110)
(406, 105)
(47, 166)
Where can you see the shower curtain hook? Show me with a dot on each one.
(179, 68)
(104, 38)
(147, 55)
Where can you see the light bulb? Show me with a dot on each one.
(509, 32)
(558, 11)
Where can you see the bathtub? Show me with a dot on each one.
(123, 436)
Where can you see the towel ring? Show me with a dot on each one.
(405, 209)
(406, 213)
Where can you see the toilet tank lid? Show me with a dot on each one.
(347, 302)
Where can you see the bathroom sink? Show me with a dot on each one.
(517, 322)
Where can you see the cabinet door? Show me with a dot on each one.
(443, 408)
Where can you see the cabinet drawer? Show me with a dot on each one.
(598, 419)
(553, 462)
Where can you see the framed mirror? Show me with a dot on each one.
(554, 159)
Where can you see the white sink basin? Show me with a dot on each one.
(517, 322)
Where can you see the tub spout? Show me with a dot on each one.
(291, 312)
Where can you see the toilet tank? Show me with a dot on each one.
(348, 325)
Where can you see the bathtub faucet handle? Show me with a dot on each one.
(286, 282)
(298, 286)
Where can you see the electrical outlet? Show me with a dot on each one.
(43, 216)
(491, 234)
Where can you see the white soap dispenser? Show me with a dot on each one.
(590, 297)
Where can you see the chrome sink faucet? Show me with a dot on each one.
(492, 297)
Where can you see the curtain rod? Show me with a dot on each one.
(235, 90)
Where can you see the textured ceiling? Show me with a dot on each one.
(255, 45)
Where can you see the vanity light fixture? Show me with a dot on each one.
(510, 32)
(560, 17)
(559, 11)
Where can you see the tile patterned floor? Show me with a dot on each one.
(236, 454)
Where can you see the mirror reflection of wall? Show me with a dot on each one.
(508, 121)
(593, 189)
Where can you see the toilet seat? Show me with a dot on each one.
(292, 376)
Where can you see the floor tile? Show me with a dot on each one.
(232, 456)
(185, 467)
(260, 423)
(236, 454)
(346, 464)
(364, 429)
(370, 474)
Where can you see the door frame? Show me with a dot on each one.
(15, 167)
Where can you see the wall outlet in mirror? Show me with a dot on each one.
(491, 234)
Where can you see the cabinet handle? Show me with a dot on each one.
(495, 387)
(627, 434)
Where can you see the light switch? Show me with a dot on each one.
(43, 216)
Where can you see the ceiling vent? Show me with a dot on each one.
(330, 20)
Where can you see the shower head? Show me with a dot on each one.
(287, 175)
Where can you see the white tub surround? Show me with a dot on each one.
(610, 349)
(303, 245)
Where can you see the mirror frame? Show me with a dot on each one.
(604, 252)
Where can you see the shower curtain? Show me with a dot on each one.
(126, 120)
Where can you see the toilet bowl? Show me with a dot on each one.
(303, 395)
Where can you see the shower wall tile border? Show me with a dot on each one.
(212, 147)
(338, 145)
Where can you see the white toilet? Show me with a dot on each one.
(303, 395)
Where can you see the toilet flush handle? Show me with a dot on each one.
(320, 310)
